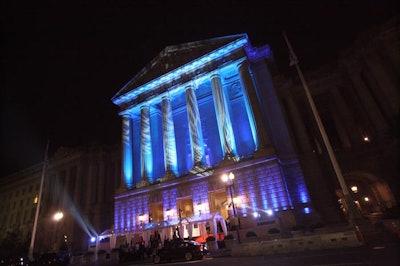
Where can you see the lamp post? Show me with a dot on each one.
(354, 215)
(169, 213)
(200, 208)
(229, 183)
(35, 224)
(57, 217)
(141, 220)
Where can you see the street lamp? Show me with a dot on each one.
(354, 215)
(141, 220)
(169, 213)
(229, 183)
(57, 217)
(200, 208)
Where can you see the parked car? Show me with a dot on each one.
(179, 250)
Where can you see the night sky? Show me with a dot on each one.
(62, 61)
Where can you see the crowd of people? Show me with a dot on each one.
(137, 249)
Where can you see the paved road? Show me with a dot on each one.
(384, 255)
(366, 256)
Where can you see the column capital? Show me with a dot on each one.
(215, 75)
(145, 105)
(190, 86)
(243, 63)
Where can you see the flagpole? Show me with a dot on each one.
(31, 246)
(354, 215)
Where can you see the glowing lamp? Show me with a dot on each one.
(169, 213)
(141, 217)
(58, 216)
(200, 208)
(231, 176)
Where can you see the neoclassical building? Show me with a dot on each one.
(198, 111)
(77, 182)
(202, 112)
(206, 109)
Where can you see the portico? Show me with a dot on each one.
(193, 114)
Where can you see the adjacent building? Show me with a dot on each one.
(358, 100)
(77, 199)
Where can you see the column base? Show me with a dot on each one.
(232, 157)
(200, 169)
(229, 159)
(169, 175)
(143, 183)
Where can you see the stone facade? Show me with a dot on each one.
(79, 182)
(357, 98)
(226, 120)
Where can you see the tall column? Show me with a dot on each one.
(383, 84)
(145, 145)
(223, 118)
(246, 86)
(368, 103)
(263, 140)
(196, 135)
(170, 157)
(127, 166)
(347, 122)
(335, 110)
(304, 145)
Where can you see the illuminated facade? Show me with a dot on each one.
(197, 111)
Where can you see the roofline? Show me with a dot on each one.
(240, 41)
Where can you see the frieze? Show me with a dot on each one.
(182, 79)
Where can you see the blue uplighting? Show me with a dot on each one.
(205, 119)
(127, 152)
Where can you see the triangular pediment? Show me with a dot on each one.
(175, 56)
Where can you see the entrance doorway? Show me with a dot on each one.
(185, 207)
(218, 203)
(156, 212)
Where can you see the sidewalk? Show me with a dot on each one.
(373, 236)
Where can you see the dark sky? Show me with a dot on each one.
(62, 61)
